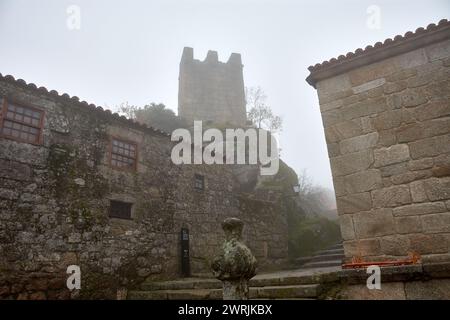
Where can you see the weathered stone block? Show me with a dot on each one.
(386, 182)
(363, 181)
(408, 177)
(418, 193)
(412, 98)
(331, 117)
(364, 108)
(8, 194)
(438, 222)
(343, 130)
(367, 125)
(420, 164)
(438, 51)
(394, 154)
(372, 72)
(394, 169)
(428, 243)
(447, 204)
(335, 84)
(362, 248)
(395, 245)
(441, 170)
(375, 223)
(388, 120)
(333, 150)
(437, 188)
(411, 59)
(410, 132)
(14, 170)
(437, 89)
(329, 97)
(359, 143)
(375, 92)
(419, 209)
(442, 159)
(430, 147)
(331, 105)
(432, 110)
(394, 101)
(354, 203)
(391, 197)
(350, 163)
(339, 186)
(401, 75)
(369, 85)
(394, 87)
(347, 229)
(436, 127)
(407, 224)
(420, 79)
(387, 138)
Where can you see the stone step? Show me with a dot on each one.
(326, 257)
(330, 251)
(302, 260)
(184, 294)
(336, 246)
(259, 281)
(323, 264)
(186, 283)
(282, 292)
(267, 292)
(203, 275)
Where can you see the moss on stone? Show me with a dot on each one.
(65, 165)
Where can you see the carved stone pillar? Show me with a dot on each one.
(236, 265)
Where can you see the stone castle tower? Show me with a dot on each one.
(211, 90)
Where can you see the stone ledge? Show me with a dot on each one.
(398, 273)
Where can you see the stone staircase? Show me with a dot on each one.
(295, 284)
(330, 257)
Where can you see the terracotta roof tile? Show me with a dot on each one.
(377, 47)
(64, 98)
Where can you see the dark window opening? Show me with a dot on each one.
(119, 209)
(21, 123)
(199, 182)
(123, 154)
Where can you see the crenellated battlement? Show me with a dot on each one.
(211, 90)
(211, 57)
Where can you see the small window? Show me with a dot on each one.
(123, 154)
(199, 182)
(119, 209)
(21, 123)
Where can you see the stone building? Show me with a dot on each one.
(386, 114)
(211, 90)
(80, 185)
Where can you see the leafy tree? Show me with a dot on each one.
(154, 115)
(259, 112)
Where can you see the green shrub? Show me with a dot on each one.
(309, 234)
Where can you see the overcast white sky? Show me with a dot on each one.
(130, 51)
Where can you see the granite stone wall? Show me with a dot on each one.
(55, 199)
(387, 128)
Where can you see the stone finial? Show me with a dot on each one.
(236, 265)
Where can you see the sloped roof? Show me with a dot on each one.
(379, 51)
(65, 98)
